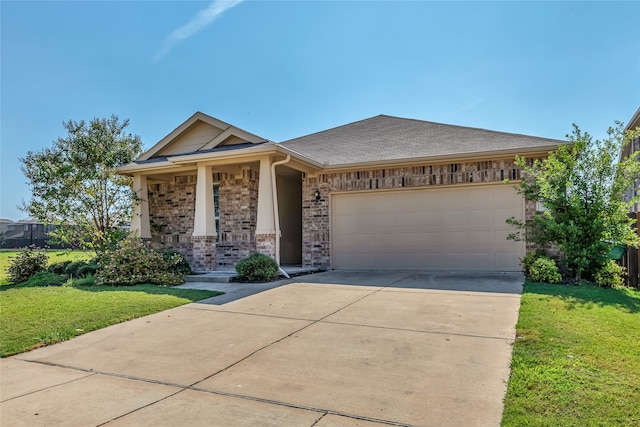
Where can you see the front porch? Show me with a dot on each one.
(218, 214)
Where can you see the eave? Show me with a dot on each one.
(461, 157)
(191, 161)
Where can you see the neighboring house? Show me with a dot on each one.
(24, 233)
(633, 147)
(383, 193)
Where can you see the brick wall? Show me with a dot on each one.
(172, 207)
(172, 210)
(266, 244)
(238, 215)
(315, 215)
(171, 214)
(315, 223)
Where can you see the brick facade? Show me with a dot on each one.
(172, 210)
(204, 253)
(172, 207)
(315, 214)
(266, 244)
(171, 213)
(238, 217)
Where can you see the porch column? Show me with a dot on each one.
(265, 223)
(204, 223)
(140, 214)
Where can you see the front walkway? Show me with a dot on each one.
(330, 349)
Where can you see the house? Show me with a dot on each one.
(24, 233)
(634, 146)
(631, 258)
(380, 193)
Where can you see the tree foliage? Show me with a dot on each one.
(581, 187)
(74, 184)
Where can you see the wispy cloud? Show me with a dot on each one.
(202, 19)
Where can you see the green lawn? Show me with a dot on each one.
(31, 317)
(54, 256)
(576, 359)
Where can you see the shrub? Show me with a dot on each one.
(43, 278)
(132, 263)
(529, 259)
(87, 270)
(257, 268)
(178, 263)
(72, 269)
(80, 269)
(58, 267)
(545, 270)
(27, 263)
(611, 274)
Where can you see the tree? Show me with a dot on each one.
(580, 188)
(74, 183)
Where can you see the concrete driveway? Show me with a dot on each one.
(330, 349)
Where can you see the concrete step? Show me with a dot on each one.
(221, 277)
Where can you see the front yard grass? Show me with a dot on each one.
(32, 317)
(576, 359)
(55, 255)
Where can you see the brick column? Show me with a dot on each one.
(265, 223)
(204, 223)
(204, 253)
(266, 244)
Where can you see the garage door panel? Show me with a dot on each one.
(508, 261)
(500, 238)
(385, 222)
(455, 219)
(426, 229)
(480, 239)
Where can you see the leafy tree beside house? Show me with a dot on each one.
(74, 184)
(580, 188)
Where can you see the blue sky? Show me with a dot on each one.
(282, 69)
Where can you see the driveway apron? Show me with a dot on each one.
(329, 349)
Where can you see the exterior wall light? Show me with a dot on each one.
(317, 194)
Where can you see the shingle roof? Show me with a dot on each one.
(210, 150)
(387, 138)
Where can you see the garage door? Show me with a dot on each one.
(439, 229)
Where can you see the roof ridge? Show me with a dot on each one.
(470, 127)
(335, 127)
(497, 132)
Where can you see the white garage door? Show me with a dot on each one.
(427, 229)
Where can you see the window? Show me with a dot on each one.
(216, 208)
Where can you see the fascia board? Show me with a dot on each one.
(132, 168)
(635, 120)
(170, 137)
(261, 150)
(198, 116)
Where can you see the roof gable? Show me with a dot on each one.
(386, 138)
(199, 132)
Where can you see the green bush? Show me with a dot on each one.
(87, 270)
(72, 269)
(58, 267)
(545, 270)
(611, 274)
(257, 268)
(179, 263)
(529, 259)
(80, 269)
(27, 263)
(132, 263)
(43, 278)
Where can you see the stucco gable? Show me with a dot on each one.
(200, 132)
